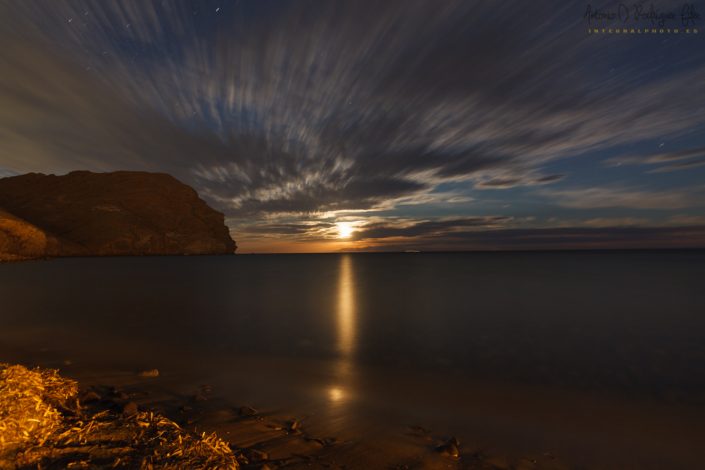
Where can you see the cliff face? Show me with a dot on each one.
(100, 214)
(21, 240)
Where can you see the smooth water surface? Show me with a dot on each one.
(594, 354)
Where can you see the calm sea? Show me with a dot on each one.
(599, 356)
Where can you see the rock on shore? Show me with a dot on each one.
(104, 214)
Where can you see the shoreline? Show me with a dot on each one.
(4, 258)
(513, 427)
(242, 436)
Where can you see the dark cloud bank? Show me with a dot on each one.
(568, 238)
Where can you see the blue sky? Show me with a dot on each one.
(411, 124)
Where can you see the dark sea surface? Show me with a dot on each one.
(596, 356)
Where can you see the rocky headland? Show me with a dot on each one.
(106, 214)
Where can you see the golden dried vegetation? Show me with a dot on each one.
(43, 425)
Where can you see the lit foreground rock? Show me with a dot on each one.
(106, 214)
(43, 425)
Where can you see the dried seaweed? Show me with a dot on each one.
(43, 425)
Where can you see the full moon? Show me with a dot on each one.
(345, 229)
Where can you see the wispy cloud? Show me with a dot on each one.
(679, 166)
(553, 239)
(529, 179)
(425, 228)
(675, 160)
(609, 197)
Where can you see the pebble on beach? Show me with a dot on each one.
(246, 411)
(199, 396)
(202, 394)
(130, 409)
(149, 373)
(117, 394)
(89, 397)
(449, 448)
(294, 426)
(256, 455)
(120, 396)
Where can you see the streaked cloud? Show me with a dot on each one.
(608, 197)
(424, 228)
(679, 166)
(500, 182)
(554, 239)
(282, 113)
(674, 161)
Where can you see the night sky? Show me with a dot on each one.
(419, 125)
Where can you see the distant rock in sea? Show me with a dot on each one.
(105, 214)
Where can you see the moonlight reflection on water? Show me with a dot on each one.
(346, 314)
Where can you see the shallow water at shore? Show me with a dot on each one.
(598, 358)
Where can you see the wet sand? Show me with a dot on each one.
(280, 437)
(277, 439)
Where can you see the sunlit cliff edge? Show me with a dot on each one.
(106, 214)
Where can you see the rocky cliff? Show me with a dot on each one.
(103, 214)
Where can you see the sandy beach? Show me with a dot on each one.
(115, 410)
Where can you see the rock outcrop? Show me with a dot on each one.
(20, 240)
(106, 214)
